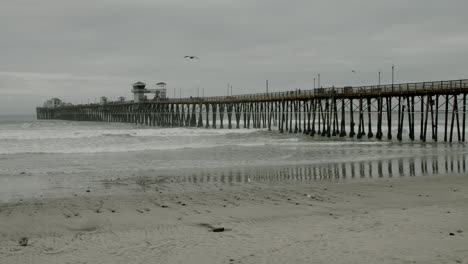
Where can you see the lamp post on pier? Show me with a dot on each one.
(379, 78)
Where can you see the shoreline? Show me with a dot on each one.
(404, 220)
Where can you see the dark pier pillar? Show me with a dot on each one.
(410, 104)
(295, 117)
(436, 122)
(428, 104)
(193, 119)
(333, 115)
(229, 114)
(413, 114)
(238, 108)
(286, 112)
(309, 114)
(254, 107)
(464, 117)
(314, 111)
(319, 117)
(351, 118)
(269, 110)
(389, 117)
(214, 109)
(379, 117)
(361, 120)
(200, 115)
(221, 115)
(446, 116)
(281, 123)
(182, 115)
(207, 108)
(401, 116)
(369, 114)
(290, 116)
(305, 111)
(325, 115)
(421, 132)
(336, 128)
(329, 116)
(455, 115)
(244, 111)
(249, 114)
(343, 118)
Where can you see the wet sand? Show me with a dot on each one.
(403, 220)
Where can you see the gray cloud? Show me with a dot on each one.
(84, 49)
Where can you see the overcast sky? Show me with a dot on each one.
(80, 50)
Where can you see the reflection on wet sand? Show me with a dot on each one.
(348, 171)
(180, 179)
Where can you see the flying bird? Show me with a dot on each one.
(191, 57)
(353, 71)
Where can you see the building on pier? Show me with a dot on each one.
(160, 92)
(103, 100)
(53, 103)
(139, 90)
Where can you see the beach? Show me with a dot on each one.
(405, 220)
(93, 192)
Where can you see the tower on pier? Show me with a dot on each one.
(139, 92)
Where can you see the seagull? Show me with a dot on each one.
(191, 57)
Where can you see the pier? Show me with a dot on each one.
(421, 108)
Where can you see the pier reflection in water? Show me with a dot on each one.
(341, 172)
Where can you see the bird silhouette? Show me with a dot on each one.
(191, 57)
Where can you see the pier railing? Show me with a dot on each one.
(387, 89)
(346, 91)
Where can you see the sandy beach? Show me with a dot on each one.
(404, 220)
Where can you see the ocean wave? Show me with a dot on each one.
(171, 145)
(88, 133)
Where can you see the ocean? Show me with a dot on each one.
(54, 158)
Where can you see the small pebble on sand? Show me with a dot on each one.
(218, 229)
(23, 241)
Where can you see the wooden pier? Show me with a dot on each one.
(415, 108)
